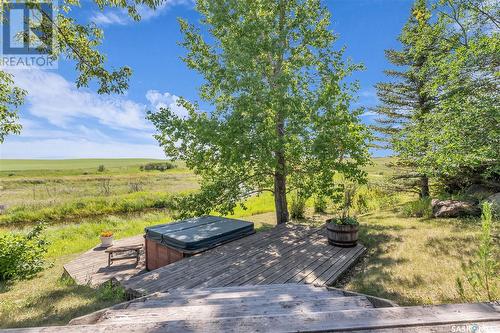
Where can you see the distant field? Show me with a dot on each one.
(90, 163)
(379, 167)
(7, 165)
(75, 167)
(29, 186)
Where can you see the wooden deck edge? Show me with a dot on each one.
(350, 263)
(377, 302)
(93, 317)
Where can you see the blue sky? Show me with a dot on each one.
(61, 121)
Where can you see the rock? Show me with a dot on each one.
(3, 208)
(454, 208)
(478, 191)
(494, 200)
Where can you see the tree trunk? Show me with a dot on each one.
(280, 173)
(424, 187)
(280, 198)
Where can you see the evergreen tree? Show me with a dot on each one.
(405, 101)
(463, 131)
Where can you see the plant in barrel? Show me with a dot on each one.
(343, 230)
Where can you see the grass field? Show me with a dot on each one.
(410, 260)
(413, 261)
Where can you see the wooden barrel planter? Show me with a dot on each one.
(342, 235)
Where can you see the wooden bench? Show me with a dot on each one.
(112, 251)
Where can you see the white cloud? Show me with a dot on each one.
(159, 100)
(52, 97)
(369, 114)
(61, 121)
(110, 18)
(121, 17)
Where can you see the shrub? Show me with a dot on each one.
(348, 220)
(297, 206)
(159, 166)
(348, 200)
(22, 256)
(483, 273)
(111, 292)
(101, 168)
(370, 197)
(320, 204)
(418, 208)
(135, 187)
(105, 185)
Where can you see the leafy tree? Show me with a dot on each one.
(76, 42)
(464, 129)
(281, 118)
(11, 98)
(404, 101)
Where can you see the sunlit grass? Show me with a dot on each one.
(258, 204)
(413, 260)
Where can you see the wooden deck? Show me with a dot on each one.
(284, 254)
(91, 268)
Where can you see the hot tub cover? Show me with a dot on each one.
(199, 232)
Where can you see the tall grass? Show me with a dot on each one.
(297, 206)
(371, 198)
(418, 208)
(88, 207)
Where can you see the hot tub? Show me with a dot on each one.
(168, 243)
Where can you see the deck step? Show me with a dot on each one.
(165, 300)
(158, 311)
